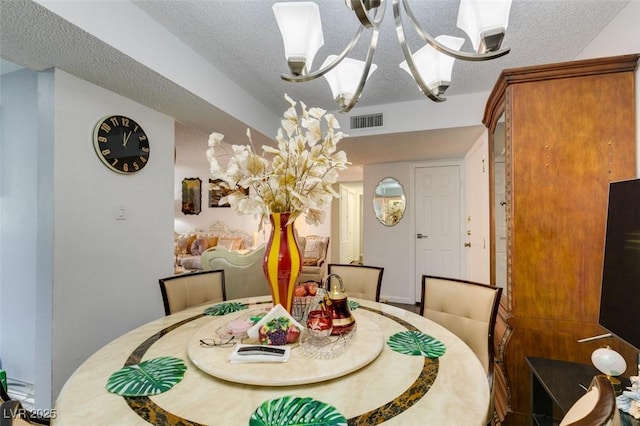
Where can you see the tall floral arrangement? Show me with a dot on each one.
(297, 177)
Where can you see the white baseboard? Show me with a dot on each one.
(21, 391)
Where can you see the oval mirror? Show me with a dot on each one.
(389, 201)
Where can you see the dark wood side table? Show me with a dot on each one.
(556, 385)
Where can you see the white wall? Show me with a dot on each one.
(105, 270)
(191, 162)
(390, 247)
(457, 111)
(19, 243)
(77, 277)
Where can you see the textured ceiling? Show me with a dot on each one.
(241, 39)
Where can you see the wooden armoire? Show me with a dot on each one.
(568, 130)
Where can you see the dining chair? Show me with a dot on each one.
(469, 311)
(597, 407)
(360, 281)
(12, 413)
(183, 291)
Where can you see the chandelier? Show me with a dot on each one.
(484, 21)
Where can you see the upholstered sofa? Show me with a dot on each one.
(190, 246)
(243, 274)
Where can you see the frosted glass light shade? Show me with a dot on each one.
(344, 78)
(608, 361)
(482, 18)
(301, 30)
(434, 67)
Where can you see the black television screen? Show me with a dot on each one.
(620, 294)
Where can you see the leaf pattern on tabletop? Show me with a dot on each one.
(353, 305)
(225, 308)
(290, 410)
(257, 317)
(417, 344)
(150, 377)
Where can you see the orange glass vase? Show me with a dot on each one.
(282, 260)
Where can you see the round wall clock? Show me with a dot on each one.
(121, 144)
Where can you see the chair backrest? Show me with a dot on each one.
(360, 281)
(180, 292)
(315, 250)
(596, 408)
(465, 308)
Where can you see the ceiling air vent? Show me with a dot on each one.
(366, 121)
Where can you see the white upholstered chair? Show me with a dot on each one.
(596, 408)
(360, 281)
(314, 253)
(180, 292)
(469, 311)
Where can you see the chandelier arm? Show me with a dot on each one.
(424, 88)
(329, 67)
(373, 43)
(362, 13)
(457, 54)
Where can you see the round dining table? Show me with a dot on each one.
(368, 381)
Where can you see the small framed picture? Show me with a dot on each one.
(218, 189)
(191, 195)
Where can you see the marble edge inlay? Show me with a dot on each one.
(151, 412)
(138, 353)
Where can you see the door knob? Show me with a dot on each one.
(420, 236)
(467, 244)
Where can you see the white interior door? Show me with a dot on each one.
(476, 247)
(349, 225)
(437, 222)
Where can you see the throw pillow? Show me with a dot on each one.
(212, 241)
(183, 243)
(199, 245)
(230, 243)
